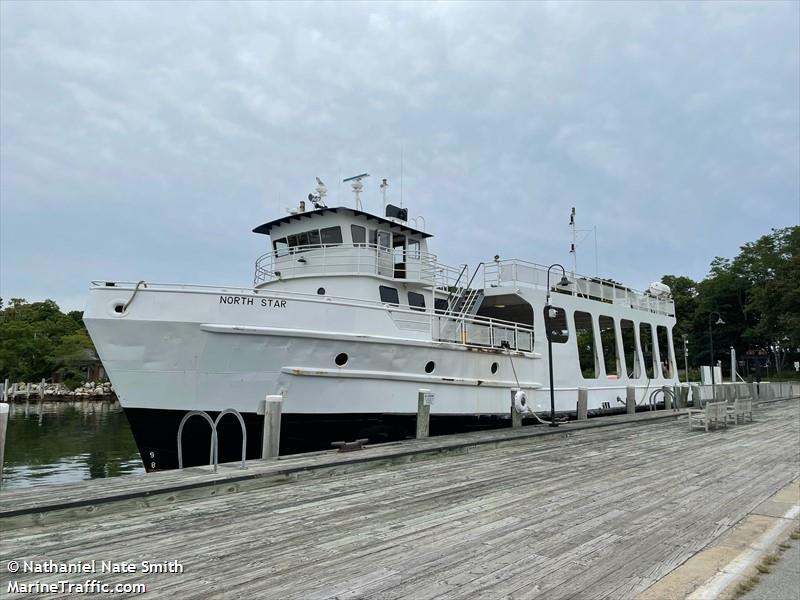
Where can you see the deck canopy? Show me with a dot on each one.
(267, 227)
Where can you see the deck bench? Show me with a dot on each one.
(742, 407)
(714, 413)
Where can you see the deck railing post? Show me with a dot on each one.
(3, 429)
(424, 402)
(630, 399)
(273, 406)
(583, 403)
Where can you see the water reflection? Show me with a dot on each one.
(63, 442)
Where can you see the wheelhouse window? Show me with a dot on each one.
(384, 239)
(555, 320)
(416, 301)
(331, 235)
(281, 247)
(413, 249)
(440, 305)
(359, 234)
(313, 238)
(584, 339)
(608, 340)
(389, 295)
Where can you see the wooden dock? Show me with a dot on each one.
(597, 509)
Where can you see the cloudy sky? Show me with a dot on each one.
(146, 140)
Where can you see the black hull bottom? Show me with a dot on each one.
(156, 430)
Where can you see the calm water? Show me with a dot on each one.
(61, 442)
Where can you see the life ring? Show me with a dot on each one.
(521, 402)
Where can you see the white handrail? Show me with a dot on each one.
(515, 271)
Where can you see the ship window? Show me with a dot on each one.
(389, 295)
(373, 237)
(384, 239)
(341, 359)
(584, 339)
(416, 301)
(291, 240)
(430, 366)
(646, 339)
(313, 238)
(440, 305)
(302, 239)
(663, 351)
(632, 366)
(359, 234)
(413, 249)
(494, 368)
(608, 340)
(281, 247)
(331, 235)
(556, 324)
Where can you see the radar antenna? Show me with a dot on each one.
(358, 187)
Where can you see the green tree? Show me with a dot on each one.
(37, 339)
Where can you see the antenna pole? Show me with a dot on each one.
(383, 186)
(596, 268)
(573, 249)
(401, 179)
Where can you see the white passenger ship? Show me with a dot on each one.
(348, 317)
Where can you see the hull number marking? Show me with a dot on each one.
(245, 301)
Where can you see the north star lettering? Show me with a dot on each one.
(245, 301)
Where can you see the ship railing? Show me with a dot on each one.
(514, 272)
(352, 259)
(473, 331)
(477, 331)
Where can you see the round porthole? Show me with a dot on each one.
(494, 368)
(430, 366)
(341, 359)
(118, 308)
(321, 291)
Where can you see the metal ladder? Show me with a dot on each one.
(214, 458)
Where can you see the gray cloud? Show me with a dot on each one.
(146, 140)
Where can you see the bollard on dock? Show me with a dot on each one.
(583, 403)
(424, 402)
(630, 399)
(273, 405)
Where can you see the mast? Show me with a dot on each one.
(572, 249)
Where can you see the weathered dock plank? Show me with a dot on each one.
(592, 513)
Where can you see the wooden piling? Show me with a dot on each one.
(424, 401)
(630, 399)
(583, 403)
(697, 401)
(273, 405)
(516, 417)
(3, 429)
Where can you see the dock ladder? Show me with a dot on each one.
(214, 458)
